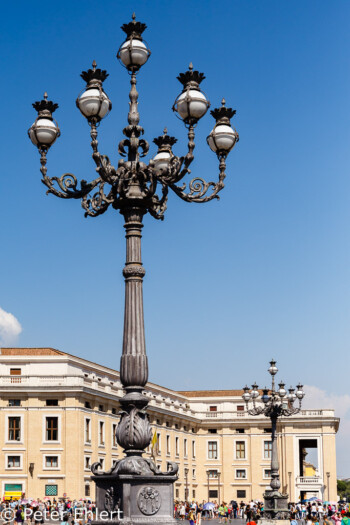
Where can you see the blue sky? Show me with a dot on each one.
(263, 272)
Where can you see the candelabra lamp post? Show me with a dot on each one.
(135, 486)
(274, 404)
(186, 484)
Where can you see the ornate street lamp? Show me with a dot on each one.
(186, 484)
(219, 475)
(274, 404)
(135, 485)
(208, 478)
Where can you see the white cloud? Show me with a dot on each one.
(316, 397)
(10, 328)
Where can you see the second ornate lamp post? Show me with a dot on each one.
(186, 484)
(135, 485)
(274, 404)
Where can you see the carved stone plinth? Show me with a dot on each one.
(275, 506)
(140, 499)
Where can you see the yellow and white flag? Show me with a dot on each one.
(154, 444)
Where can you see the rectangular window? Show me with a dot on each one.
(15, 374)
(177, 493)
(158, 448)
(114, 411)
(14, 428)
(102, 461)
(87, 431)
(194, 473)
(212, 430)
(87, 404)
(241, 494)
(267, 449)
(87, 462)
(168, 444)
(13, 461)
(212, 450)
(51, 461)
(101, 433)
(87, 490)
(185, 448)
(267, 430)
(51, 428)
(240, 449)
(213, 493)
(213, 474)
(177, 446)
(239, 430)
(51, 490)
(114, 437)
(240, 408)
(267, 473)
(14, 402)
(213, 409)
(193, 449)
(193, 494)
(241, 474)
(101, 408)
(52, 402)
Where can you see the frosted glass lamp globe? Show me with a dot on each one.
(133, 53)
(191, 104)
(222, 138)
(44, 132)
(94, 103)
(161, 162)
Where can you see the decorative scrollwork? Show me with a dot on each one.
(98, 203)
(68, 185)
(121, 147)
(143, 144)
(198, 187)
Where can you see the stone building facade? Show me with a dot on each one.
(58, 415)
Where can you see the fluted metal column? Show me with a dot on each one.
(133, 363)
(275, 477)
(134, 431)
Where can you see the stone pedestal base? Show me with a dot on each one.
(275, 507)
(139, 499)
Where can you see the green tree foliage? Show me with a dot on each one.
(343, 489)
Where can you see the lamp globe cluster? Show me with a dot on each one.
(273, 394)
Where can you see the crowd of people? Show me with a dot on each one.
(35, 512)
(308, 513)
(83, 512)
